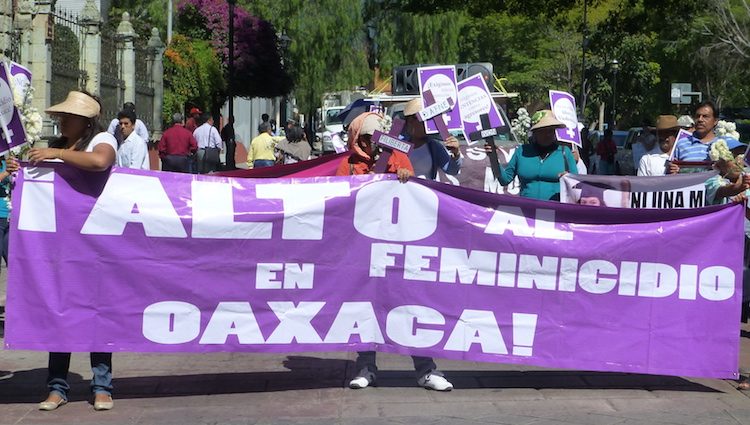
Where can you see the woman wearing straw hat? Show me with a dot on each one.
(83, 144)
(540, 164)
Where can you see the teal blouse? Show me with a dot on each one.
(540, 178)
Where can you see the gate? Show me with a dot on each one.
(67, 72)
(112, 86)
(144, 90)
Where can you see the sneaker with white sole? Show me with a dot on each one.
(435, 382)
(359, 382)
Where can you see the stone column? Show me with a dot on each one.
(6, 26)
(126, 35)
(23, 23)
(156, 50)
(40, 61)
(92, 46)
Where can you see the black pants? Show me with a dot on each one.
(176, 163)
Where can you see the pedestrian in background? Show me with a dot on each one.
(176, 147)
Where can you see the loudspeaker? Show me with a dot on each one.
(405, 80)
(466, 70)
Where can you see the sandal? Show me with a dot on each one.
(744, 385)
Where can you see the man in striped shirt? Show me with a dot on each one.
(697, 147)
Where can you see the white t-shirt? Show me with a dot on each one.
(133, 153)
(653, 164)
(100, 138)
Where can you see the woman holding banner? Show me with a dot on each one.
(83, 144)
(540, 164)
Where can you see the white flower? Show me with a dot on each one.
(725, 128)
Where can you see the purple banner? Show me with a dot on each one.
(441, 81)
(12, 133)
(564, 107)
(474, 100)
(167, 262)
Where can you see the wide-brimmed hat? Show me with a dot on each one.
(545, 118)
(413, 107)
(77, 103)
(666, 122)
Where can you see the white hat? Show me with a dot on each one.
(685, 121)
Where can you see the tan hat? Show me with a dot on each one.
(77, 103)
(413, 107)
(667, 122)
(545, 118)
(370, 124)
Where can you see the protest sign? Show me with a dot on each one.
(168, 262)
(12, 132)
(564, 107)
(441, 82)
(679, 191)
(474, 100)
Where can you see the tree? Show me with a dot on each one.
(256, 53)
(327, 50)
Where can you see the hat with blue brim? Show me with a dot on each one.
(733, 144)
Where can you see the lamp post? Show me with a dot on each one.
(284, 42)
(584, 44)
(615, 68)
(230, 142)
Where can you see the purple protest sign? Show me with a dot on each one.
(474, 99)
(167, 262)
(12, 132)
(564, 107)
(441, 81)
(20, 74)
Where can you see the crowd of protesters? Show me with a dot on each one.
(194, 145)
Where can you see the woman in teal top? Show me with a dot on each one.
(540, 164)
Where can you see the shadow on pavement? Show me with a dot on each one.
(307, 373)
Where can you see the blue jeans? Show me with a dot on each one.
(59, 364)
(4, 231)
(260, 163)
(367, 368)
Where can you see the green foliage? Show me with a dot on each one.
(407, 38)
(327, 50)
(192, 74)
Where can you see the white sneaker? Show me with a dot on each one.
(359, 382)
(435, 382)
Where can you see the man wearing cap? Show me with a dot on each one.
(654, 164)
(192, 122)
(429, 153)
(140, 128)
(686, 123)
(176, 146)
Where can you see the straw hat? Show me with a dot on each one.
(76, 103)
(545, 118)
(667, 122)
(413, 107)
